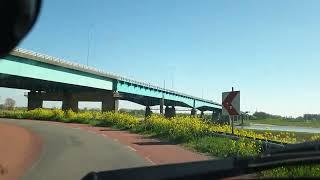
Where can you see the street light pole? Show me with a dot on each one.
(202, 93)
(89, 40)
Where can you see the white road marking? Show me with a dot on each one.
(103, 135)
(115, 140)
(42, 153)
(131, 148)
(148, 159)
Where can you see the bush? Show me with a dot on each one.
(291, 172)
(225, 147)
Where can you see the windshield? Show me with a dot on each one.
(106, 85)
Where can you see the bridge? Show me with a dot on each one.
(52, 79)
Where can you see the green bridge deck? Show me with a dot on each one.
(36, 70)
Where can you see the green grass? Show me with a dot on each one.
(292, 172)
(224, 147)
(284, 122)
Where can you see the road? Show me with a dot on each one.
(70, 153)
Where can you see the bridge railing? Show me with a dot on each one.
(64, 62)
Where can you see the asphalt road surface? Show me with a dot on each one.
(70, 153)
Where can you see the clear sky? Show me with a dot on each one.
(267, 49)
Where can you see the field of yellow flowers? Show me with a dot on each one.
(178, 128)
(190, 131)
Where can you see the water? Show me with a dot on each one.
(280, 128)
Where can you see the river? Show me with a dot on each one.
(280, 128)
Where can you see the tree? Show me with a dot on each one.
(263, 115)
(9, 103)
(311, 116)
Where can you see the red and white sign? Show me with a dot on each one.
(231, 103)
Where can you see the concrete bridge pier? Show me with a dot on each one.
(69, 102)
(148, 111)
(173, 111)
(166, 112)
(202, 114)
(34, 101)
(193, 112)
(161, 105)
(215, 116)
(170, 112)
(110, 103)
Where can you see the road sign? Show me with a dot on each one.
(231, 103)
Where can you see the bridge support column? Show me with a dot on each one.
(148, 111)
(170, 112)
(173, 111)
(166, 112)
(215, 116)
(219, 116)
(110, 103)
(34, 101)
(69, 102)
(161, 105)
(202, 114)
(193, 112)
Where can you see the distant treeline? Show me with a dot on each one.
(264, 115)
(134, 112)
(311, 117)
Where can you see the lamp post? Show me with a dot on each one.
(89, 41)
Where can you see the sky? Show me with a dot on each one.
(269, 49)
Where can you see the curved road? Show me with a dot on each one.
(70, 153)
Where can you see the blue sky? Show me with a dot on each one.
(267, 49)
